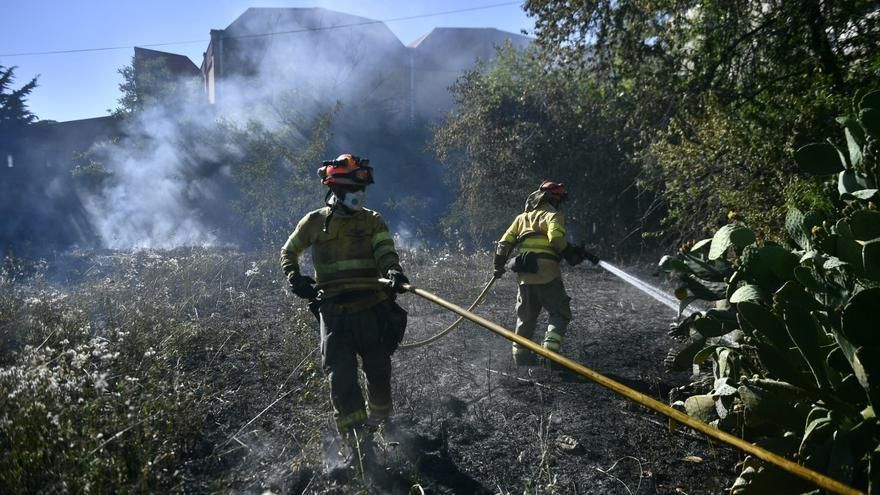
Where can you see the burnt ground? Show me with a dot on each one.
(469, 421)
(257, 418)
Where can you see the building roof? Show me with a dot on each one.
(178, 65)
(280, 21)
(459, 38)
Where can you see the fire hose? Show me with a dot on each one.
(477, 301)
(675, 415)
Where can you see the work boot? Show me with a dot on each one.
(361, 449)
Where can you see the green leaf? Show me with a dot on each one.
(818, 425)
(805, 277)
(687, 301)
(870, 120)
(844, 157)
(794, 226)
(804, 333)
(866, 372)
(818, 159)
(865, 194)
(709, 327)
(704, 354)
(747, 293)
(850, 182)
(767, 404)
(855, 139)
(850, 251)
(871, 259)
(865, 224)
(870, 100)
(673, 264)
(701, 407)
(793, 294)
(780, 260)
(860, 318)
(707, 291)
(700, 244)
(730, 235)
(761, 318)
(844, 229)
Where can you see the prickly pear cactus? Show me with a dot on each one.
(795, 346)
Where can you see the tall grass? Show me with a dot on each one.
(188, 370)
(130, 376)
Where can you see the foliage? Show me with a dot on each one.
(275, 170)
(520, 121)
(13, 107)
(793, 344)
(14, 114)
(149, 81)
(127, 380)
(715, 94)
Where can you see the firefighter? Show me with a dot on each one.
(351, 249)
(539, 233)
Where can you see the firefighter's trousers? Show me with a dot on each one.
(343, 338)
(530, 299)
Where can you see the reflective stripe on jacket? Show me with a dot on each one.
(354, 252)
(541, 230)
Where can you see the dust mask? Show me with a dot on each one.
(354, 200)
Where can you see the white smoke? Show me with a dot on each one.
(170, 183)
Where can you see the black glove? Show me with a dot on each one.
(592, 257)
(396, 280)
(573, 254)
(302, 286)
(499, 266)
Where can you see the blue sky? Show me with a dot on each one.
(82, 85)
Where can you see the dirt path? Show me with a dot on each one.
(476, 423)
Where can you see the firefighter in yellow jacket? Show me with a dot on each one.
(539, 233)
(351, 249)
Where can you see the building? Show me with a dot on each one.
(331, 55)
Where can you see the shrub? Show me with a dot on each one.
(793, 338)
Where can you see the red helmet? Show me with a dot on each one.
(346, 169)
(555, 188)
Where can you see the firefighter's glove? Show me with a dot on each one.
(302, 286)
(396, 280)
(573, 255)
(499, 266)
(592, 257)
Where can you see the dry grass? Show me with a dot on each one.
(188, 370)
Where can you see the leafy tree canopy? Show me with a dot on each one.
(716, 95)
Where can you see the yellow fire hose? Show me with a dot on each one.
(818, 479)
(477, 301)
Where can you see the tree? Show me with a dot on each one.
(14, 114)
(728, 87)
(521, 121)
(149, 81)
(13, 108)
(270, 170)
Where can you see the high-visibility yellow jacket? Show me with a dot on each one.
(349, 258)
(542, 231)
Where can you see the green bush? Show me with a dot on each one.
(793, 338)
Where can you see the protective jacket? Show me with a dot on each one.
(349, 257)
(539, 230)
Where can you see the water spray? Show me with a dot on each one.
(650, 290)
